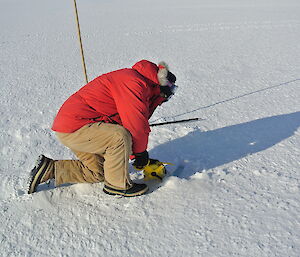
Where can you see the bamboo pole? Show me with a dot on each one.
(80, 42)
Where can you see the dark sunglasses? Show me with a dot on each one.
(173, 88)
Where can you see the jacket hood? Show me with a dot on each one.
(147, 69)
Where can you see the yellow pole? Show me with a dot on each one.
(80, 41)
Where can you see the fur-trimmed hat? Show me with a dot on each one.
(164, 75)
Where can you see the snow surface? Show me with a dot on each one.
(236, 183)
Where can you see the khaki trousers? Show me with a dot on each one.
(102, 150)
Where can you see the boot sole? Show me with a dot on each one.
(37, 173)
(115, 192)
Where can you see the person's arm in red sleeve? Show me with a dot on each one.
(155, 100)
(154, 103)
(131, 100)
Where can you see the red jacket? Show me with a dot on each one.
(127, 97)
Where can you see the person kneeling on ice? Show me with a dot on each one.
(104, 124)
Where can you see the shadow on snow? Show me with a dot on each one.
(199, 151)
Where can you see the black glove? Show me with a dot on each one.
(154, 161)
(141, 160)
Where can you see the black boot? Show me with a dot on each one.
(135, 190)
(42, 172)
